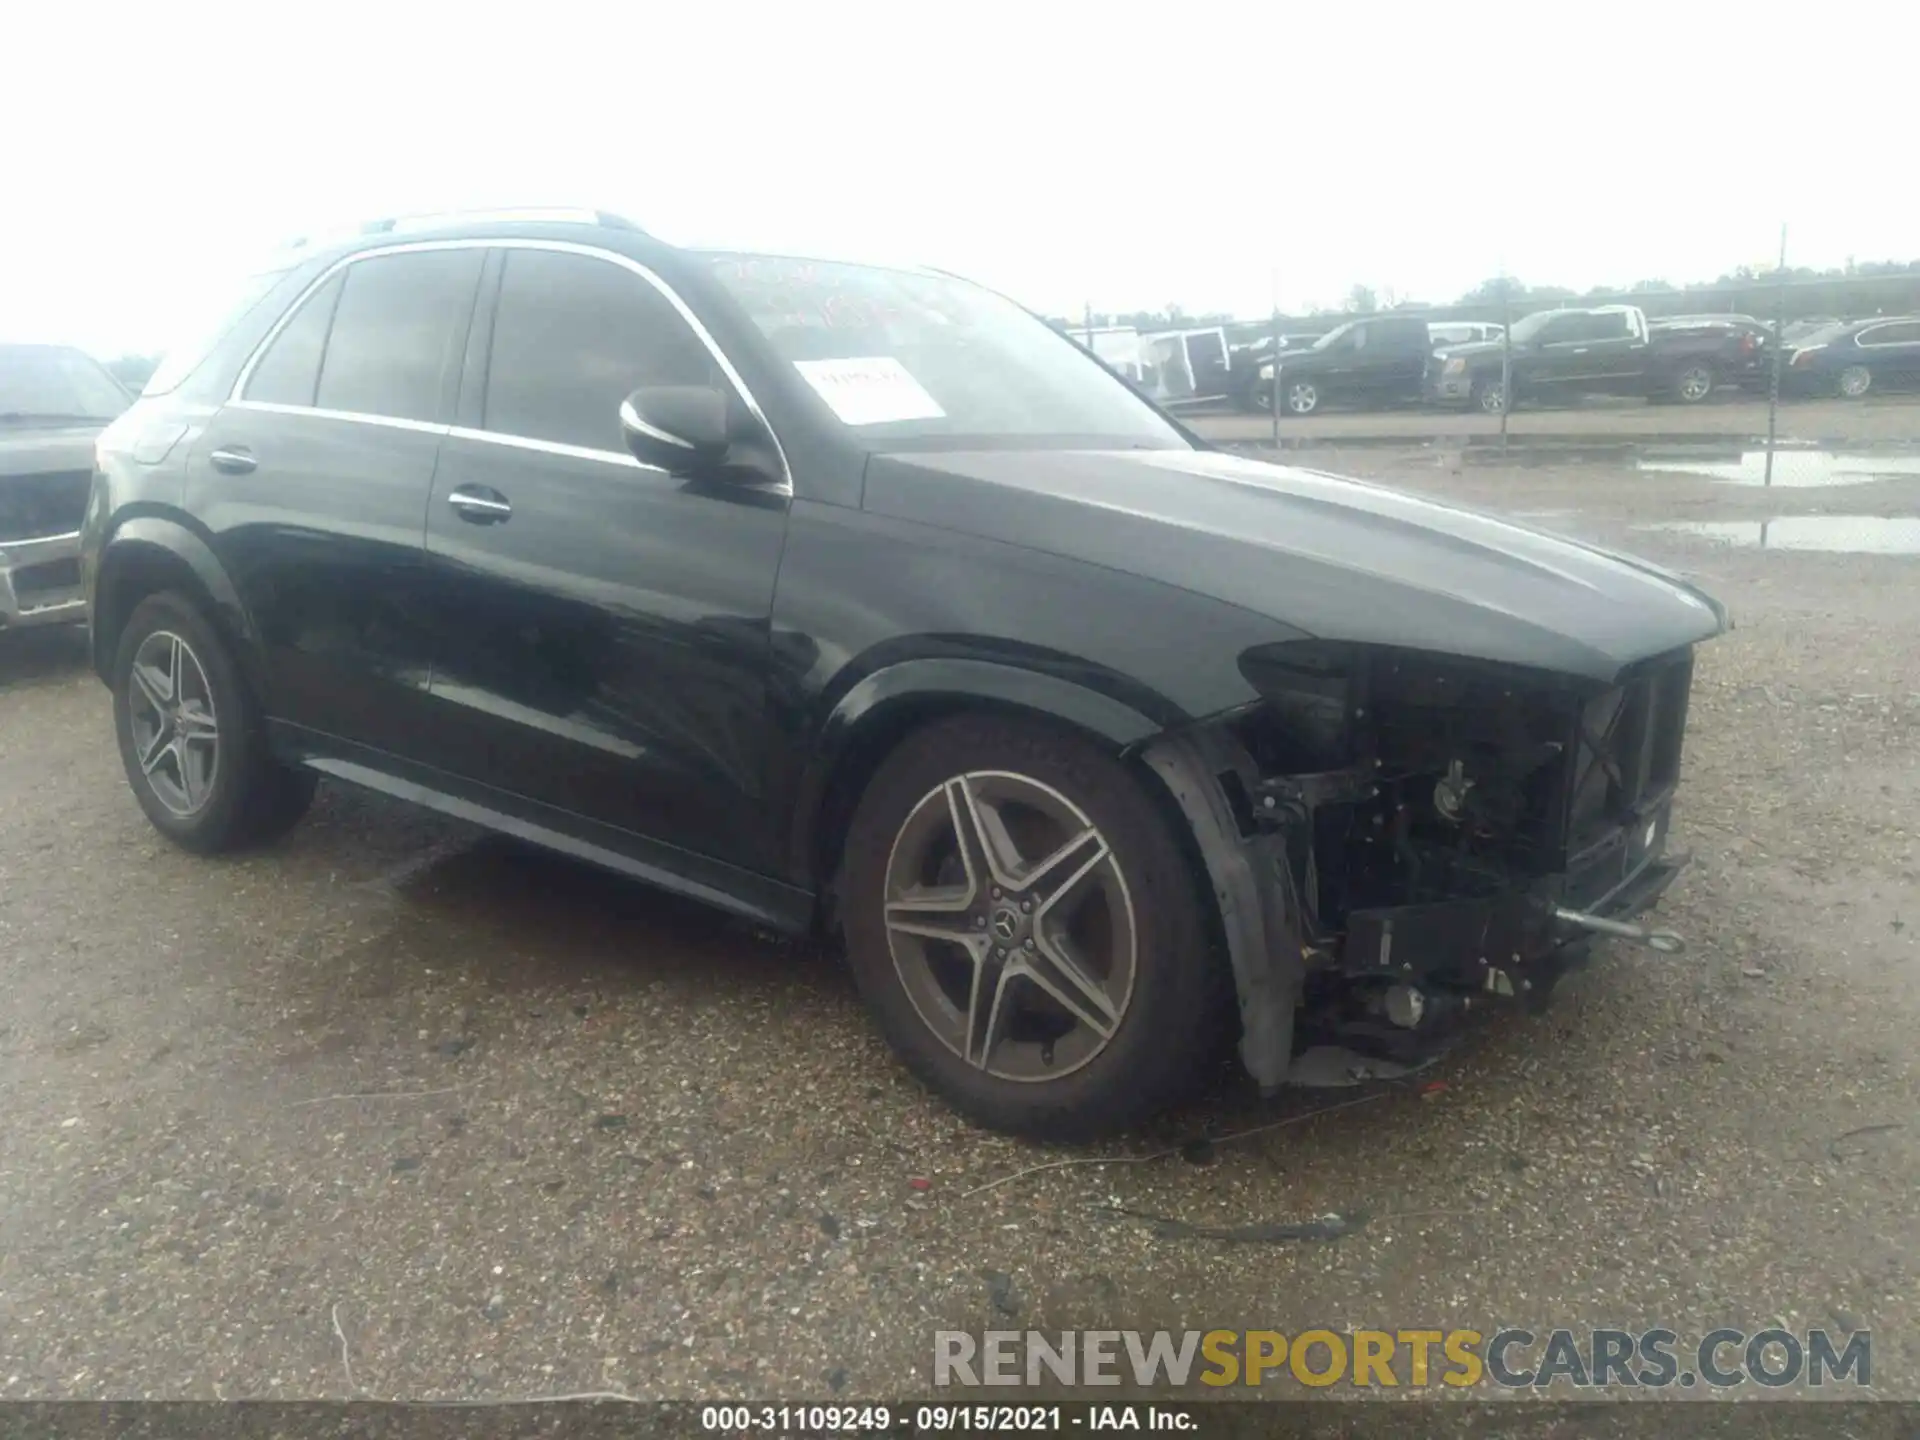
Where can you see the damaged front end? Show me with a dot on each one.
(1393, 835)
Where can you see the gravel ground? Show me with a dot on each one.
(396, 1110)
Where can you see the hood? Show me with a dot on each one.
(1318, 554)
(35, 450)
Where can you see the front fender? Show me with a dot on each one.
(873, 704)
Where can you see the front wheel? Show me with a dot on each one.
(191, 737)
(1025, 928)
(1489, 397)
(1855, 381)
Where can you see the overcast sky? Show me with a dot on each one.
(1125, 155)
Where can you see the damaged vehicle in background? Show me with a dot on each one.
(54, 401)
(858, 600)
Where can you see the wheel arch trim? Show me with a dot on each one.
(911, 686)
(150, 535)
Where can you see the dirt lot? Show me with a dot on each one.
(1879, 418)
(396, 1110)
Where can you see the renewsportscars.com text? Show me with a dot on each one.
(1510, 1358)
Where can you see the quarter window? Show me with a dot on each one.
(574, 336)
(289, 373)
(398, 329)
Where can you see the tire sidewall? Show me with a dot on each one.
(1174, 996)
(222, 817)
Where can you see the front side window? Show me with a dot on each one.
(573, 336)
(396, 333)
(901, 355)
(289, 372)
(52, 384)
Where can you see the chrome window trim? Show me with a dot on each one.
(1860, 337)
(564, 247)
(550, 447)
(360, 417)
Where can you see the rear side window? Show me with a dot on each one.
(182, 359)
(289, 372)
(1905, 333)
(574, 336)
(397, 330)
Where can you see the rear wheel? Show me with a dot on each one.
(1855, 381)
(1026, 930)
(191, 737)
(1694, 383)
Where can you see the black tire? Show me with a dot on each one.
(1170, 1034)
(1296, 394)
(250, 799)
(1486, 397)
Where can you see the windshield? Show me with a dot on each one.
(901, 355)
(43, 382)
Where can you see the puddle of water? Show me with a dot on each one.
(1835, 534)
(1792, 469)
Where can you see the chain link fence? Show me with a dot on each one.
(1774, 377)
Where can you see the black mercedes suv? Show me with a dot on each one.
(856, 599)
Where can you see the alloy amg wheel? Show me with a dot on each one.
(1022, 918)
(176, 728)
(1855, 381)
(1303, 397)
(1010, 925)
(191, 737)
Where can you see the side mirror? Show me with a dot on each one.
(682, 429)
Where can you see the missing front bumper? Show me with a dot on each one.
(1504, 944)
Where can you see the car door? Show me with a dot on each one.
(1615, 358)
(600, 627)
(1401, 348)
(313, 480)
(1563, 359)
(1892, 352)
(1343, 370)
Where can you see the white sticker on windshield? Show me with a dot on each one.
(870, 391)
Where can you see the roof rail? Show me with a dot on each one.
(534, 214)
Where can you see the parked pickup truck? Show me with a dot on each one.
(1605, 350)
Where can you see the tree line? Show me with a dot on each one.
(1872, 287)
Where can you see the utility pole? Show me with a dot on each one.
(1779, 331)
(1273, 398)
(1506, 352)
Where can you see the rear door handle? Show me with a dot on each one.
(233, 460)
(479, 505)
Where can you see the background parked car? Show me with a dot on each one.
(53, 402)
(1603, 350)
(1737, 348)
(1376, 360)
(1857, 357)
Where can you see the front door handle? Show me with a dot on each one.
(479, 505)
(233, 460)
